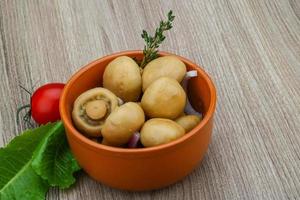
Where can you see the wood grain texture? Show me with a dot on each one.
(251, 49)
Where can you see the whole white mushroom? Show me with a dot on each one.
(122, 76)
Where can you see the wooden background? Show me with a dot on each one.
(251, 49)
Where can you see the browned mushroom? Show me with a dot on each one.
(91, 109)
(158, 131)
(122, 76)
(164, 98)
(169, 66)
(188, 122)
(122, 123)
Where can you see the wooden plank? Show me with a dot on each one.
(251, 49)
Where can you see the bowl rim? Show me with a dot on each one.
(93, 145)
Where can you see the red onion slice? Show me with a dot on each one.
(188, 109)
(134, 140)
(191, 74)
(120, 101)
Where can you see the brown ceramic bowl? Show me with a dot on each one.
(143, 168)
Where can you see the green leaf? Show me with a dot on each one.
(27, 185)
(33, 161)
(17, 178)
(54, 161)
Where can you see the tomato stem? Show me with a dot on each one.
(30, 93)
(27, 116)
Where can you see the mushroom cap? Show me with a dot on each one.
(122, 76)
(164, 98)
(86, 124)
(188, 122)
(169, 66)
(158, 131)
(122, 123)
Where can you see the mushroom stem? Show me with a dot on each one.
(96, 109)
(188, 107)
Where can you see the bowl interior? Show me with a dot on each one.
(200, 88)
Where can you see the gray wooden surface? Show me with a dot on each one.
(251, 49)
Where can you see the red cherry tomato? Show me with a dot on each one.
(45, 103)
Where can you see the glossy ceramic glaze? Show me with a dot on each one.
(144, 168)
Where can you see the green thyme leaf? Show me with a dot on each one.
(152, 42)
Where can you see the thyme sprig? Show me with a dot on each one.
(152, 42)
